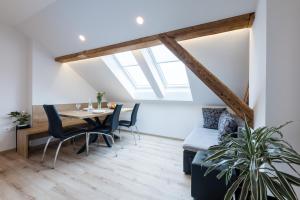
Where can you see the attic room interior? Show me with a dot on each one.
(157, 100)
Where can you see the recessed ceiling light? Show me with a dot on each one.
(140, 20)
(81, 38)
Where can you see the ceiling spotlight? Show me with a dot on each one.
(140, 20)
(81, 38)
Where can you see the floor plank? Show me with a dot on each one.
(151, 170)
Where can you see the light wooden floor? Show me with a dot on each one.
(150, 170)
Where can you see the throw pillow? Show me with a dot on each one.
(227, 124)
(211, 117)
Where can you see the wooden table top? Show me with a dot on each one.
(82, 114)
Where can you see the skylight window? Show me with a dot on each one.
(170, 68)
(126, 59)
(132, 70)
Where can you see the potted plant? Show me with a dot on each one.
(21, 119)
(255, 155)
(99, 98)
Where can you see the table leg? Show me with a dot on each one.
(93, 138)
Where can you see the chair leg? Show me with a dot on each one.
(113, 142)
(120, 134)
(107, 135)
(87, 140)
(56, 154)
(73, 143)
(133, 135)
(137, 131)
(46, 146)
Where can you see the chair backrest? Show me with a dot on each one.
(54, 122)
(134, 114)
(115, 117)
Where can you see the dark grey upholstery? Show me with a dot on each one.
(55, 128)
(132, 121)
(112, 122)
(198, 140)
(227, 124)
(207, 187)
(211, 117)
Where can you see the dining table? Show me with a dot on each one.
(93, 119)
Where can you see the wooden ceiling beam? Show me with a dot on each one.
(211, 28)
(209, 79)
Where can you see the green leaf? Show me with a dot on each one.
(292, 179)
(222, 173)
(245, 188)
(216, 155)
(262, 189)
(215, 166)
(233, 188)
(286, 185)
(271, 186)
(254, 178)
(216, 148)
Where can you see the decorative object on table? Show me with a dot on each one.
(111, 105)
(78, 106)
(90, 106)
(21, 119)
(255, 155)
(99, 99)
(211, 116)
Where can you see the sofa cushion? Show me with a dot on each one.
(200, 139)
(227, 125)
(211, 117)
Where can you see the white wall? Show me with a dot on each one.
(14, 87)
(279, 57)
(257, 68)
(226, 55)
(169, 119)
(283, 69)
(54, 83)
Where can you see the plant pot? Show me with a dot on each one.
(22, 125)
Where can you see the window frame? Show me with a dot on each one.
(134, 84)
(161, 73)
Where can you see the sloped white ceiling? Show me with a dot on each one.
(99, 76)
(105, 22)
(13, 12)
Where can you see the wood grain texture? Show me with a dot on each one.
(215, 27)
(209, 79)
(246, 95)
(152, 170)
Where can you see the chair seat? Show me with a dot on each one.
(124, 123)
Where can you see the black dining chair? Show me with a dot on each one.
(108, 127)
(132, 123)
(56, 131)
